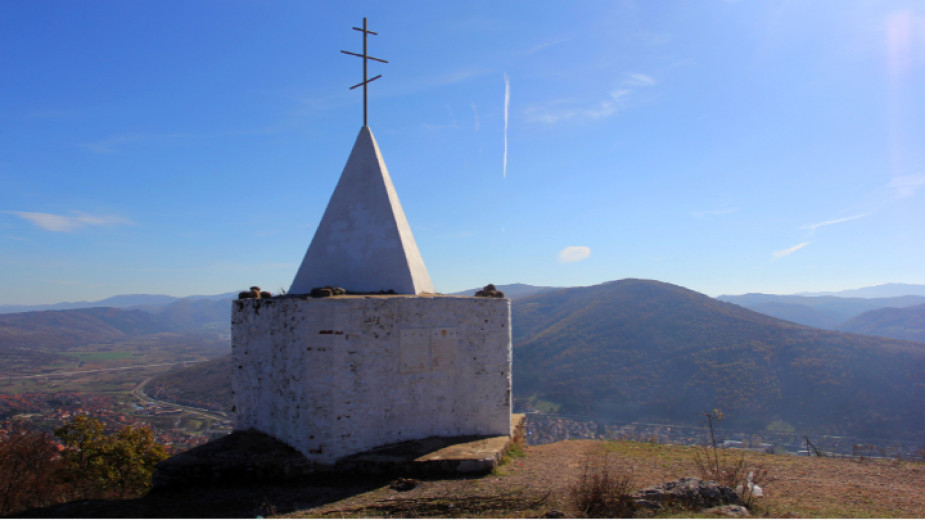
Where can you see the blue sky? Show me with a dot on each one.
(191, 147)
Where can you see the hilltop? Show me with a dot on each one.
(537, 483)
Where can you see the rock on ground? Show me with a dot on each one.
(688, 492)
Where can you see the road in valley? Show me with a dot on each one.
(80, 372)
(139, 393)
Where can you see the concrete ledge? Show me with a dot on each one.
(438, 456)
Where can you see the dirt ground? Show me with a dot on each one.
(538, 483)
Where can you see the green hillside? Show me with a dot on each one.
(650, 351)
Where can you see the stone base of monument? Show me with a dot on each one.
(251, 457)
(334, 377)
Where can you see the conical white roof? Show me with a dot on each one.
(364, 243)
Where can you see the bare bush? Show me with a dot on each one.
(602, 491)
(730, 470)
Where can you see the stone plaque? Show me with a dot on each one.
(442, 348)
(415, 350)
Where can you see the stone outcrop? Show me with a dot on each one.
(489, 291)
(254, 294)
(687, 493)
(730, 510)
(326, 291)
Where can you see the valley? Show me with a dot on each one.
(42, 388)
(631, 359)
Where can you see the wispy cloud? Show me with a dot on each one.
(638, 79)
(411, 86)
(713, 212)
(907, 185)
(574, 254)
(450, 124)
(545, 45)
(475, 115)
(109, 144)
(814, 227)
(507, 106)
(789, 251)
(560, 110)
(616, 100)
(67, 224)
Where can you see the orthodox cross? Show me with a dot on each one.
(366, 58)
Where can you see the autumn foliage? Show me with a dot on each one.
(29, 471)
(84, 463)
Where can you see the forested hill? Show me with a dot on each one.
(903, 323)
(56, 329)
(652, 351)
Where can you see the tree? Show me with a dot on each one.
(108, 466)
(29, 471)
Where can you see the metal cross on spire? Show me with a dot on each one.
(366, 57)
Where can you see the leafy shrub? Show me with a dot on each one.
(37, 471)
(602, 491)
(108, 466)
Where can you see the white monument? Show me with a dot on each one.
(364, 243)
(341, 375)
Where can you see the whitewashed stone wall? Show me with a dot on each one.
(336, 376)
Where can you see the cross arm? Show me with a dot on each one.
(364, 56)
(365, 82)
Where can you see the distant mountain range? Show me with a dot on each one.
(512, 290)
(842, 312)
(887, 290)
(825, 312)
(148, 302)
(55, 329)
(66, 328)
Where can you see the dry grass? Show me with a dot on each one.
(603, 490)
(539, 482)
(797, 486)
